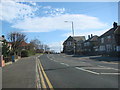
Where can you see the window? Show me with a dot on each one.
(108, 47)
(102, 48)
(102, 40)
(108, 38)
(69, 43)
(118, 48)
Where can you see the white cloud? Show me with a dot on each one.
(56, 46)
(53, 11)
(47, 24)
(47, 7)
(79, 33)
(11, 11)
(33, 3)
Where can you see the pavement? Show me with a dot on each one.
(20, 74)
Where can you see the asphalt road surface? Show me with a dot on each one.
(65, 71)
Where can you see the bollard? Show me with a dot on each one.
(13, 58)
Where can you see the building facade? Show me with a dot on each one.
(90, 46)
(71, 44)
(107, 42)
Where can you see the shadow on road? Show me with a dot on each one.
(108, 59)
(99, 58)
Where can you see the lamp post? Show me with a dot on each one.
(72, 26)
(72, 33)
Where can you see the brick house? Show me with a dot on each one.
(90, 46)
(72, 43)
(107, 42)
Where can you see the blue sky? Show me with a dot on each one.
(45, 21)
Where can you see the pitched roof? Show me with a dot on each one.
(79, 38)
(76, 38)
(23, 43)
(117, 31)
(109, 32)
(93, 38)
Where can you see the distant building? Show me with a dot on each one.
(90, 46)
(71, 44)
(39, 50)
(24, 45)
(107, 42)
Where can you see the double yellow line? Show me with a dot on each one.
(43, 77)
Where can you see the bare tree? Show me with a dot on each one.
(37, 44)
(46, 48)
(16, 38)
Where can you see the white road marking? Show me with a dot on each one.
(108, 67)
(64, 64)
(110, 73)
(55, 61)
(51, 59)
(94, 68)
(87, 70)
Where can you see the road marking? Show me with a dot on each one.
(41, 77)
(110, 73)
(47, 80)
(64, 64)
(87, 70)
(38, 85)
(55, 61)
(108, 67)
(94, 68)
(50, 58)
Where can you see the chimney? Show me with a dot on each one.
(88, 36)
(114, 25)
(91, 35)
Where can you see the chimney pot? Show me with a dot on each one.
(114, 25)
(91, 35)
(88, 36)
(3, 36)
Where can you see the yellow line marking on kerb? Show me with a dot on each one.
(47, 80)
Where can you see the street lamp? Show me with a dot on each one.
(72, 33)
(72, 26)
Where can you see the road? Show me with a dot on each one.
(65, 71)
(60, 71)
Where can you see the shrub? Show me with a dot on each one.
(24, 53)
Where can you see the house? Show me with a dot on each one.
(24, 45)
(72, 44)
(117, 39)
(90, 46)
(107, 42)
